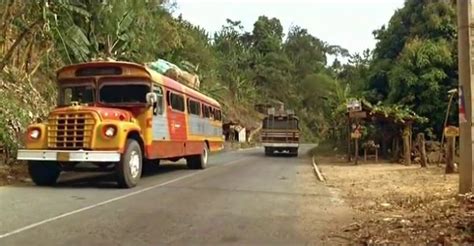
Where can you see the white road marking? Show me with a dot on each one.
(39, 223)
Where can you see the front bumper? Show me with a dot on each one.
(68, 155)
(281, 145)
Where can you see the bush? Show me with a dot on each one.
(20, 105)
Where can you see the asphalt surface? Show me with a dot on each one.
(242, 198)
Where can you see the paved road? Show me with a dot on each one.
(243, 198)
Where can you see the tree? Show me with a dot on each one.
(419, 78)
(267, 35)
(414, 59)
(307, 53)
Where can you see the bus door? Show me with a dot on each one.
(160, 124)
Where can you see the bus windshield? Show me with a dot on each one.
(82, 94)
(126, 93)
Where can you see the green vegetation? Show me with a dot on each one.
(415, 61)
(413, 65)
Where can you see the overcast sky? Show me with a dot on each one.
(348, 23)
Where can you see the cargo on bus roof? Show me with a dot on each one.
(123, 68)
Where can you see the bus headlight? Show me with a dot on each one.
(35, 134)
(110, 131)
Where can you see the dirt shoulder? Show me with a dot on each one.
(12, 174)
(401, 204)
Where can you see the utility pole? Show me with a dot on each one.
(466, 79)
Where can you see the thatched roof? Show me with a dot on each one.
(395, 113)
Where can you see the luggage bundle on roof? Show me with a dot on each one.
(173, 71)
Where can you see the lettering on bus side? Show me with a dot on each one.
(176, 115)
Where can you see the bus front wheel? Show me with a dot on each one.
(198, 161)
(44, 173)
(129, 169)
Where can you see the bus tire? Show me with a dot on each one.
(198, 161)
(44, 173)
(129, 169)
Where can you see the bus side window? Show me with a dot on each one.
(158, 106)
(211, 114)
(208, 112)
(168, 103)
(194, 107)
(205, 111)
(177, 102)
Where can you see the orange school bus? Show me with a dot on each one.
(120, 116)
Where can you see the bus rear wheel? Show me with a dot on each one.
(129, 169)
(44, 173)
(198, 161)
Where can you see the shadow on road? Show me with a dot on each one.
(283, 155)
(107, 180)
(276, 154)
(152, 170)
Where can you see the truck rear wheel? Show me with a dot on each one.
(44, 173)
(198, 161)
(268, 151)
(294, 152)
(129, 169)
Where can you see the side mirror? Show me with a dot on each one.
(151, 98)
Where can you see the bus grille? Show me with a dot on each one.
(70, 130)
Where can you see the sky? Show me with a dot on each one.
(348, 23)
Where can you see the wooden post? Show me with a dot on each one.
(451, 96)
(349, 139)
(376, 155)
(365, 153)
(396, 149)
(465, 31)
(450, 154)
(357, 131)
(356, 151)
(422, 149)
(406, 145)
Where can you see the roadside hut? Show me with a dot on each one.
(394, 126)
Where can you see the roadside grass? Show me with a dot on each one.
(325, 148)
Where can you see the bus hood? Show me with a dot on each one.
(103, 112)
